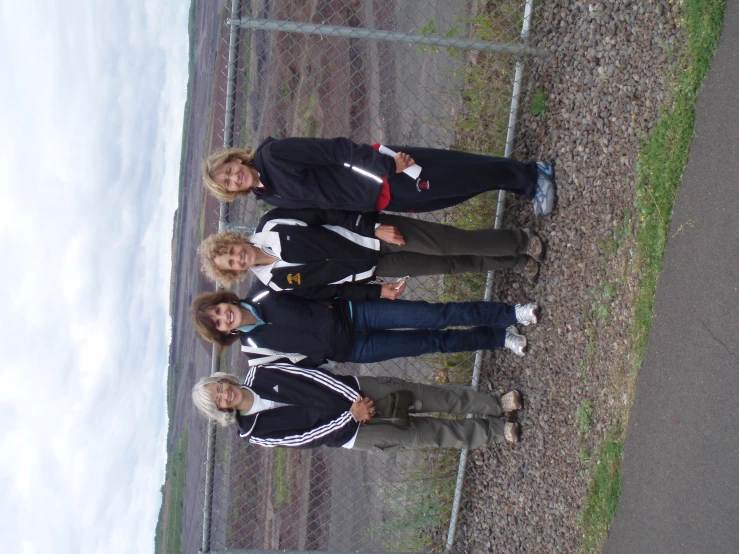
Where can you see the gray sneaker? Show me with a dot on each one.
(514, 342)
(526, 313)
(546, 189)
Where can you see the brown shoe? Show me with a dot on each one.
(534, 246)
(531, 271)
(511, 401)
(512, 432)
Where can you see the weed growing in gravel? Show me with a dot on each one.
(584, 455)
(604, 491)
(600, 308)
(539, 104)
(610, 243)
(589, 354)
(584, 417)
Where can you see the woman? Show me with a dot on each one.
(340, 174)
(303, 251)
(288, 406)
(285, 325)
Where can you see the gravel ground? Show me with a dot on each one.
(606, 82)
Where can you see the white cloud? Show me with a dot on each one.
(92, 101)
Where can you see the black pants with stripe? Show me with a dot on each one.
(449, 177)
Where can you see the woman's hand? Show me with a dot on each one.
(391, 291)
(402, 161)
(389, 234)
(363, 409)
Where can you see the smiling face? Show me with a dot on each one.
(237, 257)
(226, 396)
(236, 176)
(226, 317)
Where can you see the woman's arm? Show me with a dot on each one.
(312, 152)
(345, 291)
(357, 222)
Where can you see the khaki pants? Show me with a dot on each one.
(431, 431)
(436, 249)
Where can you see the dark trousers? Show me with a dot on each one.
(437, 249)
(377, 338)
(431, 431)
(449, 178)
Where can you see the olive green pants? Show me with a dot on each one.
(431, 431)
(437, 249)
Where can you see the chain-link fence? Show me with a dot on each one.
(443, 74)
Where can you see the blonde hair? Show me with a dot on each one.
(206, 404)
(213, 162)
(215, 245)
(204, 324)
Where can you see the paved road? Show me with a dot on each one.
(681, 466)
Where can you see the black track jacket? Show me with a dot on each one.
(317, 329)
(335, 253)
(318, 414)
(329, 173)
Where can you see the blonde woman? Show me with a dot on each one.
(340, 174)
(332, 252)
(284, 405)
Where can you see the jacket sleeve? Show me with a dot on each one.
(333, 433)
(362, 223)
(312, 152)
(346, 291)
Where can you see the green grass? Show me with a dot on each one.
(539, 104)
(584, 417)
(171, 539)
(664, 156)
(604, 491)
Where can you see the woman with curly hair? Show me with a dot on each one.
(330, 253)
(340, 174)
(270, 324)
(289, 406)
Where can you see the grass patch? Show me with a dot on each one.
(604, 491)
(584, 417)
(664, 156)
(539, 104)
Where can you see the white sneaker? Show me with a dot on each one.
(514, 342)
(526, 313)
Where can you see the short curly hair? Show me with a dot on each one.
(204, 324)
(215, 245)
(211, 164)
(206, 404)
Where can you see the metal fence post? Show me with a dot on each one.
(378, 34)
(510, 136)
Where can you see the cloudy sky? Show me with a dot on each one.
(91, 103)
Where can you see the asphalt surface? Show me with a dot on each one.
(681, 464)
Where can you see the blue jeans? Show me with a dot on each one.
(376, 338)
